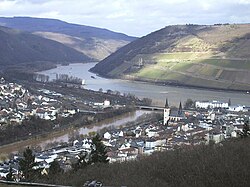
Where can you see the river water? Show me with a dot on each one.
(114, 122)
(156, 92)
(64, 136)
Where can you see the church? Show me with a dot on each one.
(172, 115)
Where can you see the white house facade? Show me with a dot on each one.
(212, 104)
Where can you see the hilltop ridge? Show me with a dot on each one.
(96, 43)
(17, 47)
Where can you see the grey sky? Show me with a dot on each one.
(133, 17)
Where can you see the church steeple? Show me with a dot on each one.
(166, 104)
(166, 113)
(180, 109)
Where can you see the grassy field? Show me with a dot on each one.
(181, 56)
(227, 63)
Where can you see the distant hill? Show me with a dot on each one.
(18, 47)
(214, 56)
(94, 42)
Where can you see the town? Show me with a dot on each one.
(54, 107)
(191, 123)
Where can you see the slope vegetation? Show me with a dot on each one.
(18, 47)
(213, 165)
(205, 56)
(96, 43)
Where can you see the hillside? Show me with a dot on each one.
(18, 47)
(213, 165)
(214, 56)
(94, 42)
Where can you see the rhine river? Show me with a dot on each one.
(156, 92)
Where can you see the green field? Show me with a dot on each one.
(226, 63)
(198, 69)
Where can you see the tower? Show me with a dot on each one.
(180, 109)
(166, 113)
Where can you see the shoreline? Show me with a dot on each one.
(38, 139)
(152, 82)
(171, 84)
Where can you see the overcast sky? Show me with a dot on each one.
(132, 17)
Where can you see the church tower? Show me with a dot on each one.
(166, 113)
(180, 109)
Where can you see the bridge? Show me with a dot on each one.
(150, 108)
(90, 112)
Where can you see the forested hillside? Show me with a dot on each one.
(96, 43)
(18, 47)
(213, 165)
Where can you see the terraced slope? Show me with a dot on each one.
(215, 56)
(95, 48)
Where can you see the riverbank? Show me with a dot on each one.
(171, 83)
(80, 101)
(63, 134)
(156, 92)
(47, 66)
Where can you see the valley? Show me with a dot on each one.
(86, 106)
(95, 43)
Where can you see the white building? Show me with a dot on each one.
(238, 108)
(87, 143)
(212, 104)
(46, 158)
(212, 116)
(3, 173)
(234, 134)
(151, 143)
(185, 127)
(106, 103)
(166, 113)
(121, 134)
(152, 133)
(217, 137)
(107, 136)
